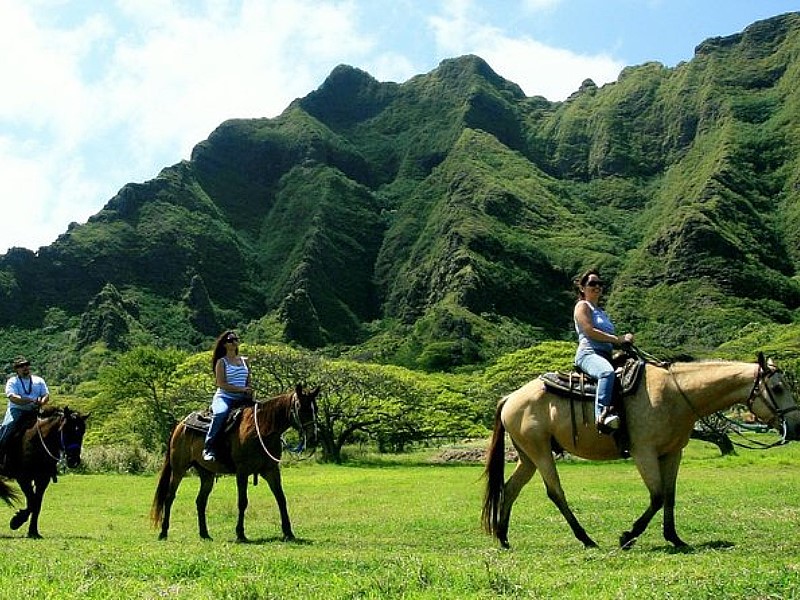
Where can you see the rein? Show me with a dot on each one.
(294, 419)
(61, 448)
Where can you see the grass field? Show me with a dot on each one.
(411, 530)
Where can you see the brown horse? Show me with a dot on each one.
(660, 416)
(255, 449)
(33, 457)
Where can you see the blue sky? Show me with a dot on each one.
(99, 93)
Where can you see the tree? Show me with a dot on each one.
(380, 402)
(146, 378)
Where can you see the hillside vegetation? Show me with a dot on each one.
(438, 223)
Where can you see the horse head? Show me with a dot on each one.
(304, 413)
(772, 400)
(73, 426)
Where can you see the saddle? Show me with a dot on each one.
(577, 385)
(200, 420)
(580, 387)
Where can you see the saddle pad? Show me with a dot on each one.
(582, 387)
(200, 420)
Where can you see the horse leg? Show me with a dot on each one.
(241, 491)
(273, 477)
(669, 474)
(172, 482)
(201, 502)
(552, 482)
(649, 467)
(519, 478)
(40, 487)
(22, 515)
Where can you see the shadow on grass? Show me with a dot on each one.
(277, 540)
(712, 545)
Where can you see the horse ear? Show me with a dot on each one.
(316, 390)
(298, 389)
(761, 362)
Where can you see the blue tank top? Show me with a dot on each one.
(234, 375)
(601, 321)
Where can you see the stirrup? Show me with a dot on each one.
(209, 456)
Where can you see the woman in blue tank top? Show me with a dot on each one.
(232, 376)
(596, 340)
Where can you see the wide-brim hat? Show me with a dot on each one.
(21, 361)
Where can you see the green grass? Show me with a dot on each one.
(412, 531)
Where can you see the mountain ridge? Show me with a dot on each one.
(452, 212)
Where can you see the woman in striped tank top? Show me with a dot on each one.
(232, 376)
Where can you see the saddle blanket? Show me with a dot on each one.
(583, 387)
(200, 420)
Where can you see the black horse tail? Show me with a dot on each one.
(8, 494)
(494, 473)
(160, 498)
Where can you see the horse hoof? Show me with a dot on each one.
(626, 541)
(590, 544)
(162, 536)
(505, 545)
(19, 519)
(34, 535)
(240, 539)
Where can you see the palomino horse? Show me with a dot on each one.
(33, 456)
(255, 449)
(660, 417)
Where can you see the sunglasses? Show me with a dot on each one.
(594, 283)
(231, 340)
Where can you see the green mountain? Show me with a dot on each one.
(440, 222)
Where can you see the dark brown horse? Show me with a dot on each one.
(660, 417)
(255, 449)
(33, 457)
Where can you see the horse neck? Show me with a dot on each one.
(273, 415)
(713, 386)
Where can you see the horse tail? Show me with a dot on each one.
(494, 473)
(162, 489)
(8, 494)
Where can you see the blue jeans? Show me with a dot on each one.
(10, 423)
(220, 407)
(600, 368)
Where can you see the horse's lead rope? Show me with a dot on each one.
(258, 434)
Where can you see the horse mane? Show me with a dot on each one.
(50, 411)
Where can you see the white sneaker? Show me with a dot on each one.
(611, 421)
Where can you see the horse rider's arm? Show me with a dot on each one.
(22, 400)
(583, 316)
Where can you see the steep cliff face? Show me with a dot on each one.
(453, 207)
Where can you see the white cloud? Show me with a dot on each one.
(537, 68)
(100, 94)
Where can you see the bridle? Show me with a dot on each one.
(295, 421)
(761, 382)
(64, 448)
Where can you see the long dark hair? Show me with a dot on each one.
(580, 282)
(219, 347)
